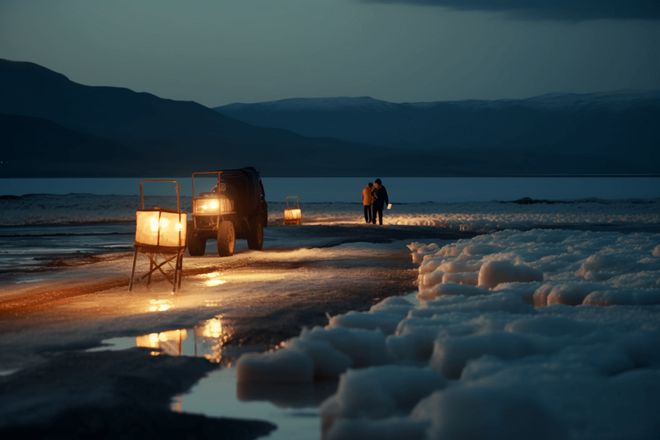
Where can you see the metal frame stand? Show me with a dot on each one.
(160, 257)
(157, 260)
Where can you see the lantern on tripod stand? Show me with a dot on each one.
(160, 234)
(292, 211)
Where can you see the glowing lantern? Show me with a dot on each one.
(292, 211)
(160, 234)
(158, 227)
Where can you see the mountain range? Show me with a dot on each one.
(605, 132)
(52, 126)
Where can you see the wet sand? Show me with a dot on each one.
(110, 394)
(306, 274)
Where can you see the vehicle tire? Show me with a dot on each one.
(255, 236)
(196, 244)
(226, 238)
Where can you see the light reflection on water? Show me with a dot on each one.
(293, 408)
(207, 340)
(204, 340)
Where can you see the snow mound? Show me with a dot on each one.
(317, 353)
(451, 355)
(493, 273)
(384, 316)
(573, 266)
(480, 412)
(382, 429)
(363, 347)
(354, 339)
(442, 288)
(525, 351)
(623, 297)
(328, 362)
(379, 392)
(281, 366)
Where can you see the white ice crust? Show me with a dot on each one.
(541, 334)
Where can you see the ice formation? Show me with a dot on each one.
(552, 266)
(512, 335)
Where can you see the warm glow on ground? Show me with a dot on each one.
(213, 279)
(159, 305)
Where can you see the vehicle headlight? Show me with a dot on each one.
(213, 206)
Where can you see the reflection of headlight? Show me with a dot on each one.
(212, 206)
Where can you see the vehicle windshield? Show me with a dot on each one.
(219, 187)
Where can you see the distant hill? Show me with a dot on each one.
(613, 133)
(123, 132)
(35, 144)
(51, 126)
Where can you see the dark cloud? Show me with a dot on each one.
(575, 10)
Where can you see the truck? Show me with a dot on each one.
(233, 207)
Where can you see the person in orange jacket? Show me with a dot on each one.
(367, 201)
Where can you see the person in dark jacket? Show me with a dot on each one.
(381, 200)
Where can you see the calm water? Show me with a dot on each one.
(401, 189)
(72, 220)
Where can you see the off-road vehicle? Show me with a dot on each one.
(233, 207)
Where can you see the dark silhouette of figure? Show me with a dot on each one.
(367, 201)
(381, 199)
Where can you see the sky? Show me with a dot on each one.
(220, 51)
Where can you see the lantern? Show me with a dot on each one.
(158, 227)
(292, 211)
(160, 234)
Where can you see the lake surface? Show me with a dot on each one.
(401, 189)
(70, 221)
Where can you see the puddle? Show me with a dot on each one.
(293, 408)
(208, 339)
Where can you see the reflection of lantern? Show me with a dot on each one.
(169, 342)
(160, 234)
(211, 338)
(206, 339)
(212, 328)
(292, 211)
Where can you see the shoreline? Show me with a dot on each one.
(307, 274)
(264, 298)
